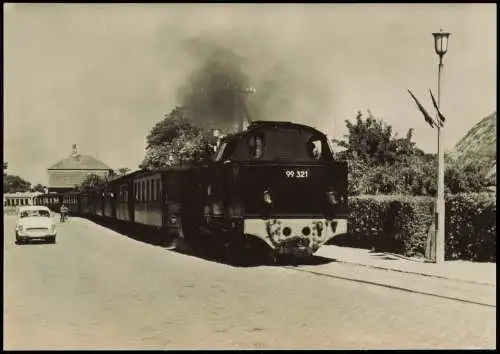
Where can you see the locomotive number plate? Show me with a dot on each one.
(297, 173)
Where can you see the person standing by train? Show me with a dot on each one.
(64, 211)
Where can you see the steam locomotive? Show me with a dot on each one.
(276, 184)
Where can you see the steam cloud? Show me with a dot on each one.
(287, 87)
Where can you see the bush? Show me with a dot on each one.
(400, 224)
(471, 227)
(366, 223)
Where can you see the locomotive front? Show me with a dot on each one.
(279, 182)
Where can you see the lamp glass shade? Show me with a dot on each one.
(441, 42)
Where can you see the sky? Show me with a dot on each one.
(101, 75)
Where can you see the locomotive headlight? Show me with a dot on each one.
(332, 198)
(216, 208)
(267, 197)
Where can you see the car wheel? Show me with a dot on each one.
(52, 240)
(18, 241)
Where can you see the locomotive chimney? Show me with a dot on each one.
(74, 152)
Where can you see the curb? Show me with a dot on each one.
(406, 258)
(417, 273)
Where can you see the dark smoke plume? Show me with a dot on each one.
(213, 94)
(291, 80)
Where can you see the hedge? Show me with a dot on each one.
(400, 224)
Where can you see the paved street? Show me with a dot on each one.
(97, 289)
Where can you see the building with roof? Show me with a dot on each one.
(72, 171)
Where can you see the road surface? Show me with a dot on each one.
(97, 289)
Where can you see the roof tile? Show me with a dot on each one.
(79, 162)
(68, 178)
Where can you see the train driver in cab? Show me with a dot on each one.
(314, 148)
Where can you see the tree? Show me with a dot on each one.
(372, 141)
(111, 175)
(114, 174)
(460, 179)
(175, 140)
(38, 188)
(379, 162)
(92, 180)
(13, 184)
(357, 170)
(123, 171)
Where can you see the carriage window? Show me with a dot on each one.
(153, 189)
(158, 189)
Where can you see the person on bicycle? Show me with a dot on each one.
(64, 212)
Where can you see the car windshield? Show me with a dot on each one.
(29, 213)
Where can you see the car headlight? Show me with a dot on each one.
(19, 227)
(52, 228)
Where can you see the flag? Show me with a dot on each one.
(427, 117)
(440, 115)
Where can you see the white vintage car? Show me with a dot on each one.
(35, 222)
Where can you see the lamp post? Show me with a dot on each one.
(441, 47)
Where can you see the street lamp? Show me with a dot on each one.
(441, 47)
